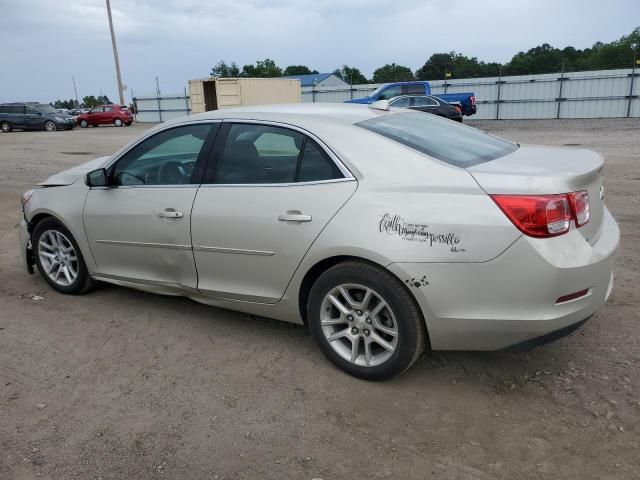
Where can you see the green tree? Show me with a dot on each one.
(266, 68)
(222, 69)
(392, 73)
(68, 104)
(298, 70)
(91, 101)
(351, 75)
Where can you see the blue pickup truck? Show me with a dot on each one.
(385, 92)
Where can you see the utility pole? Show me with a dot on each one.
(115, 53)
(75, 90)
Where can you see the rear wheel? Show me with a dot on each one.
(50, 126)
(59, 259)
(5, 127)
(365, 321)
(117, 122)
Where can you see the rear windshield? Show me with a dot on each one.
(440, 138)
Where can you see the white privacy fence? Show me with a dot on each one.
(591, 94)
(161, 108)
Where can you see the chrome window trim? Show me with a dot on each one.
(334, 158)
(280, 185)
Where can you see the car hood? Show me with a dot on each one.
(68, 177)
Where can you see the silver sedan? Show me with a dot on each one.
(386, 232)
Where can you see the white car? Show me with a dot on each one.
(386, 232)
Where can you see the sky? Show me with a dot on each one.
(47, 42)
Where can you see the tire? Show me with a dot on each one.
(117, 122)
(50, 126)
(58, 239)
(128, 124)
(84, 123)
(360, 323)
(5, 127)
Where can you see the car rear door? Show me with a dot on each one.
(269, 191)
(139, 228)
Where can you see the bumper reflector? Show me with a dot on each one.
(572, 296)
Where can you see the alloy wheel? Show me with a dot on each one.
(5, 127)
(49, 126)
(58, 257)
(359, 325)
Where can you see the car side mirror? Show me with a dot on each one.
(98, 178)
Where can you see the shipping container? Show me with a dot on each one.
(219, 93)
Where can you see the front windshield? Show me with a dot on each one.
(45, 108)
(440, 138)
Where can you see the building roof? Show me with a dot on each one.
(309, 80)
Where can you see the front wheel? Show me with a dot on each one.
(50, 126)
(365, 321)
(84, 123)
(117, 122)
(59, 259)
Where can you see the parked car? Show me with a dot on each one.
(467, 101)
(33, 116)
(386, 232)
(106, 115)
(429, 104)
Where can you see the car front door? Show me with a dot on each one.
(268, 193)
(95, 116)
(139, 227)
(33, 118)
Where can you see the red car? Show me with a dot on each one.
(105, 115)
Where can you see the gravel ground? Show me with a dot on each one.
(122, 384)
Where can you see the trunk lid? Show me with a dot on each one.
(537, 170)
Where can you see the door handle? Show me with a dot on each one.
(294, 217)
(170, 213)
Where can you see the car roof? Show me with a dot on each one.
(301, 114)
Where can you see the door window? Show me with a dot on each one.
(255, 154)
(415, 89)
(108, 109)
(424, 102)
(401, 102)
(390, 92)
(32, 111)
(97, 110)
(167, 158)
(316, 164)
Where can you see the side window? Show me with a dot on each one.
(167, 158)
(18, 109)
(5, 109)
(255, 154)
(390, 92)
(316, 165)
(259, 154)
(415, 89)
(97, 110)
(424, 102)
(108, 109)
(402, 102)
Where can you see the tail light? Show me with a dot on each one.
(473, 99)
(580, 205)
(544, 216)
(458, 109)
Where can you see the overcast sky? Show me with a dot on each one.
(45, 42)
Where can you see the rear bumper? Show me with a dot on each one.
(512, 298)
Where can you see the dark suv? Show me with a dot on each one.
(33, 116)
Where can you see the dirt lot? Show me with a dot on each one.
(121, 384)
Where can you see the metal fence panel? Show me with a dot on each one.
(593, 94)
